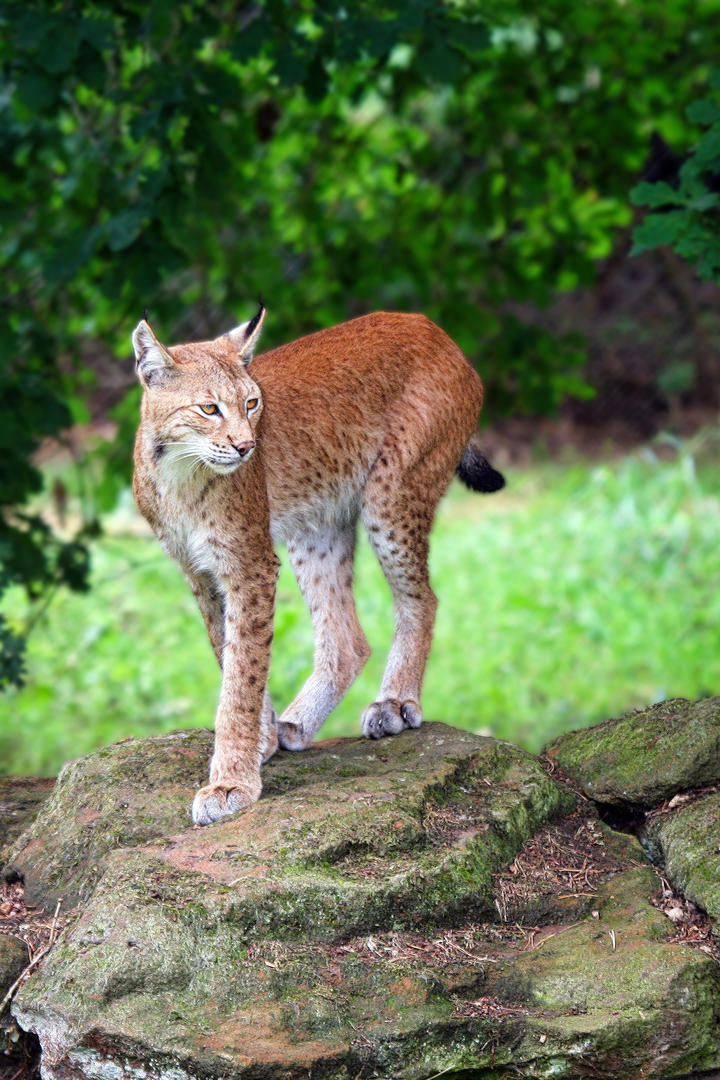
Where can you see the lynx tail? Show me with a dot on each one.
(475, 470)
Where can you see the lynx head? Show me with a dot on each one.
(200, 403)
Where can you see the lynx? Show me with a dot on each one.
(366, 420)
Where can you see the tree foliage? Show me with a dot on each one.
(684, 215)
(466, 159)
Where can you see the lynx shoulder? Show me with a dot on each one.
(367, 420)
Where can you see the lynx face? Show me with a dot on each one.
(200, 401)
(203, 418)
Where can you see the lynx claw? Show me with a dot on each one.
(390, 717)
(217, 800)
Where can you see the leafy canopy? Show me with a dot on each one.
(685, 215)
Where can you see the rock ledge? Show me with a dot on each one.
(432, 904)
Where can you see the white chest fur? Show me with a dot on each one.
(183, 532)
(187, 542)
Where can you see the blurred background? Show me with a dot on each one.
(542, 179)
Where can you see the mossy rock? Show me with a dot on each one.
(21, 798)
(119, 796)
(687, 840)
(613, 996)
(346, 925)
(645, 757)
(184, 999)
(13, 958)
(390, 807)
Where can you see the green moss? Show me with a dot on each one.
(647, 756)
(13, 958)
(128, 794)
(688, 842)
(120, 796)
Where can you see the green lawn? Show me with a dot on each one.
(578, 593)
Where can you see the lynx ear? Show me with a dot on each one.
(152, 359)
(245, 336)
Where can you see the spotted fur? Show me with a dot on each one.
(366, 420)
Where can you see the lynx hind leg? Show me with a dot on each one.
(398, 511)
(268, 729)
(323, 565)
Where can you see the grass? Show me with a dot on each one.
(580, 592)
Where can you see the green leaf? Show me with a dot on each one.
(12, 656)
(290, 64)
(98, 30)
(57, 53)
(658, 229)
(123, 229)
(69, 256)
(472, 38)
(676, 377)
(709, 265)
(705, 202)
(316, 80)
(703, 112)
(653, 194)
(36, 90)
(707, 150)
(248, 42)
(439, 63)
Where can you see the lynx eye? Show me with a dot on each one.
(210, 409)
(251, 404)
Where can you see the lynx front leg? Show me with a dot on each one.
(323, 565)
(211, 602)
(212, 607)
(243, 726)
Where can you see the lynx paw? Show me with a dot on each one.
(390, 717)
(293, 737)
(225, 797)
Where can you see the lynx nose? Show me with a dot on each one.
(244, 448)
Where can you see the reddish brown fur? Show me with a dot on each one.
(367, 419)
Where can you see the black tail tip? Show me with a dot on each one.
(477, 473)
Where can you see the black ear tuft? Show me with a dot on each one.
(256, 318)
(245, 337)
(145, 315)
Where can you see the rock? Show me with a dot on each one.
(360, 920)
(119, 796)
(141, 789)
(13, 958)
(613, 996)
(20, 800)
(641, 759)
(687, 843)
(19, 1050)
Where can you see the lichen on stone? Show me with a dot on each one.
(647, 756)
(687, 841)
